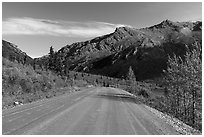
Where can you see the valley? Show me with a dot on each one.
(160, 66)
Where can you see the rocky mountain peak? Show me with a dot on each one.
(167, 21)
(165, 24)
(120, 30)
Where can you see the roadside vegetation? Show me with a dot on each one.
(22, 84)
(179, 92)
(183, 87)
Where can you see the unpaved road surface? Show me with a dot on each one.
(95, 111)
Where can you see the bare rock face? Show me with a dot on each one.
(145, 50)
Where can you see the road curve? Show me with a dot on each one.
(97, 111)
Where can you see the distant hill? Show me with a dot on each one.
(13, 53)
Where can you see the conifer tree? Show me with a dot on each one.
(131, 75)
(131, 79)
(51, 62)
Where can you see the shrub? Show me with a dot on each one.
(13, 77)
(143, 93)
(26, 85)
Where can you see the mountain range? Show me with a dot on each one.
(145, 50)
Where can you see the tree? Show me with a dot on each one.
(184, 77)
(131, 75)
(58, 64)
(55, 61)
(51, 62)
(131, 79)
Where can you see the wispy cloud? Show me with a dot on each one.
(30, 26)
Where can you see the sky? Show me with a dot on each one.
(34, 27)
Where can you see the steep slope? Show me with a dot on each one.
(149, 55)
(145, 49)
(13, 53)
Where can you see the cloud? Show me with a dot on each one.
(30, 26)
